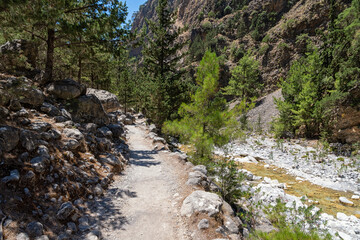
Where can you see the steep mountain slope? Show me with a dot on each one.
(276, 31)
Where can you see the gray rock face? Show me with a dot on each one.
(50, 109)
(201, 201)
(31, 96)
(9, 138)
(104, 132)
(40, 126)
(90, 127)
(13, 177)
(73, 133)
(22, 236)
(66, 89)
(35, 229)
(38, 163)
(231, 225)
(203, 224)
(88, 108)
(116, 129)
(109, 101)
(71, 144)
(110, 159)
(29, 140)
(200, 168)
(65, 211)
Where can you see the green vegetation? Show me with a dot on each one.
(295, 222)
(205, 121)
(245, 79)
(317, 82)
(161, 60)
(76, 29)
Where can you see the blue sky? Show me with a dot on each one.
(133, 6)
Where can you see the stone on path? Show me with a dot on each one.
(201, 201)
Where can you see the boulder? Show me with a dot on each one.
(66, 209)
(38, 163)
(29, 140)
(203, 224)
(66, 89)
(116, 129)
(88, 108)
(109, 100)
(73, 133)
(50, 109)
(31, 96)
(35, 229)
(13, 177)
(110, 159)
(201, 202)
(104, 132)
(9, 138)
(22, 236)
(40, 126)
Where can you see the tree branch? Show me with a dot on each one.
(80, 8)
(42, 38)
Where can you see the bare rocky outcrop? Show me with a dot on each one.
(109, 100)
(66, 89)
(43, 144)
(88, 108)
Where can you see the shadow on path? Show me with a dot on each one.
(143, 158)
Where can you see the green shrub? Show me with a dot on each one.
(212, 14)
(228, 10)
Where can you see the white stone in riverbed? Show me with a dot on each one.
(344, 236)
(356, 197)
(346, 201)
(342, 216)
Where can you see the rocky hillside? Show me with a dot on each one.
(59, 147)
(276, 31)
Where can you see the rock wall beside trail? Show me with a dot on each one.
(54, 157)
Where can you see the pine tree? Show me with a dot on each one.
(245, 79)
(161, 58)
(61, 23)
(205, 121)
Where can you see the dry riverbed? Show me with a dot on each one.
(291, 171)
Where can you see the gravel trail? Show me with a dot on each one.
(143, 203)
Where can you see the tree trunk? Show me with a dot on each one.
(80, 70)
(50, 55)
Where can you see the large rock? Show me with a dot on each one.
(116, 129)
(35, 229)
(66, 89)
(31, 96)
(66, 209)
(73, 133)
(9, 138)
(201, 202)
(109, 100)
(110, 159)
(88, 108)
(30, 140)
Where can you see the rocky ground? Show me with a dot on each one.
(63, 152)
(307, 161)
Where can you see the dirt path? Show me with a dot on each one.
(144, 202)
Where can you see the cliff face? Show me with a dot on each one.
(277, 31)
